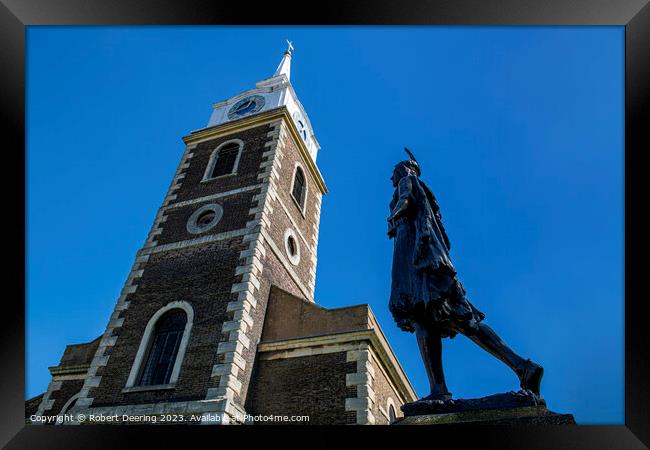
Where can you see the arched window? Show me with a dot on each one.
(66, 408)
(391, 414)
(70, 403)
(162, 347)
(165, 342)
(299, 187)
(224, 159)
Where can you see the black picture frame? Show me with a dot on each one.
(634, 15)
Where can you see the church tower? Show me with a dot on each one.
(217, 318)
(241, 213)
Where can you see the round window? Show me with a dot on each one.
(204, 218)
(291, 246)
(291, 243)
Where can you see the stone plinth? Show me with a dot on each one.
(521, 407)
(537, 415)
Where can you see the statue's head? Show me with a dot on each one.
(403, 169)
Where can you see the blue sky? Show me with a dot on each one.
(519, 132)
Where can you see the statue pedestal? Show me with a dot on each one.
(514, 408)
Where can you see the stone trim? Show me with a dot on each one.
(362, 380)
(310, 247)
(146, 338)
(110, 336)
(192, 242)
(203, 408)
(266, 354)
(153, 387)
(206, 198)
(67, 404)
(359, 347)
(287, 265)
(269, 175)
(382, 353)
(385, 353)
(301, 208)
(294, 224)
(270, 116)
(46, 402)
(193, 227)
(293, 259)
(314, 341)
(69, 371)
(176, 183)
(215, 155)
(230, 359)
(390, 402)
(391, 384)
(77, 376)
(311, 283)
(383, 412)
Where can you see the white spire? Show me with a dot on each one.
(285, 64)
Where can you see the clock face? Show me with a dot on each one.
(300, 123)
(246, 106)
(303, 130)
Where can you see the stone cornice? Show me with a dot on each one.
(260, 119)
(377, 340)
(69, 370)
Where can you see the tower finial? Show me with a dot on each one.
(285, 64)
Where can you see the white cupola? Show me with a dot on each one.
(268, 94)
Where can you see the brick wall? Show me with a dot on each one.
(290, 156)
(383, 391)
(272, 274)
(31, 405)
(249, 163)
(200, 275)
(287, 214)
(62, 395)
(279, 223)
(307, 385)
(235, 215)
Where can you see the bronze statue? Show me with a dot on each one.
(426, 296)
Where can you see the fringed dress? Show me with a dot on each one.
(424, 286)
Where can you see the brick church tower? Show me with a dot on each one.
(217, 317)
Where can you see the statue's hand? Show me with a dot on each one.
(391, 228)
(405, 325)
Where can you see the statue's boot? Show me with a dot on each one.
(436, 397)
(438, 393)
(530, 375)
